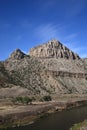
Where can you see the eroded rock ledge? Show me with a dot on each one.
(66, 74)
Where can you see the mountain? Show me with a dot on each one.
(48, 69)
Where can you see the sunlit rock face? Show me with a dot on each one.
(53, 49)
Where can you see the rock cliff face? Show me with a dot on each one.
(49, 69)
(53, 49)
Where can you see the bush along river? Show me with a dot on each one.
(57, 121)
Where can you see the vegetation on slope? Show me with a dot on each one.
(80, 126)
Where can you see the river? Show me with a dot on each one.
(58, 121)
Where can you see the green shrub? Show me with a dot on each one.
(19, 99)
(27, 100)
(47, 98)
(24, 100)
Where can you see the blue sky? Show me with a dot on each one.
(27, 23)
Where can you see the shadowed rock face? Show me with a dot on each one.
(17, 54)
(53, 49)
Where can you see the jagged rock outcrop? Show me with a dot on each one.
(17, 54)
(66, 74)
(53, 49)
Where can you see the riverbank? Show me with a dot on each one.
(17, 115)
(80, 126)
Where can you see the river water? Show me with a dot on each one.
(58, 121)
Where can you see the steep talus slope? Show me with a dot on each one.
(44, 72)
(68, 65)
(8, 88)
(4, 76)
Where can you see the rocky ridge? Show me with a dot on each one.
(17, 54)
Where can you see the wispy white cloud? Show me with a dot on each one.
(75, 47)
(25, 52)
(71, 36)
(46, 31)
(49, 31)
(71, 40)
(84, 55)
(79, 49)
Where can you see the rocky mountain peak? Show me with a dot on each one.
(53, 49)
(17, 54)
